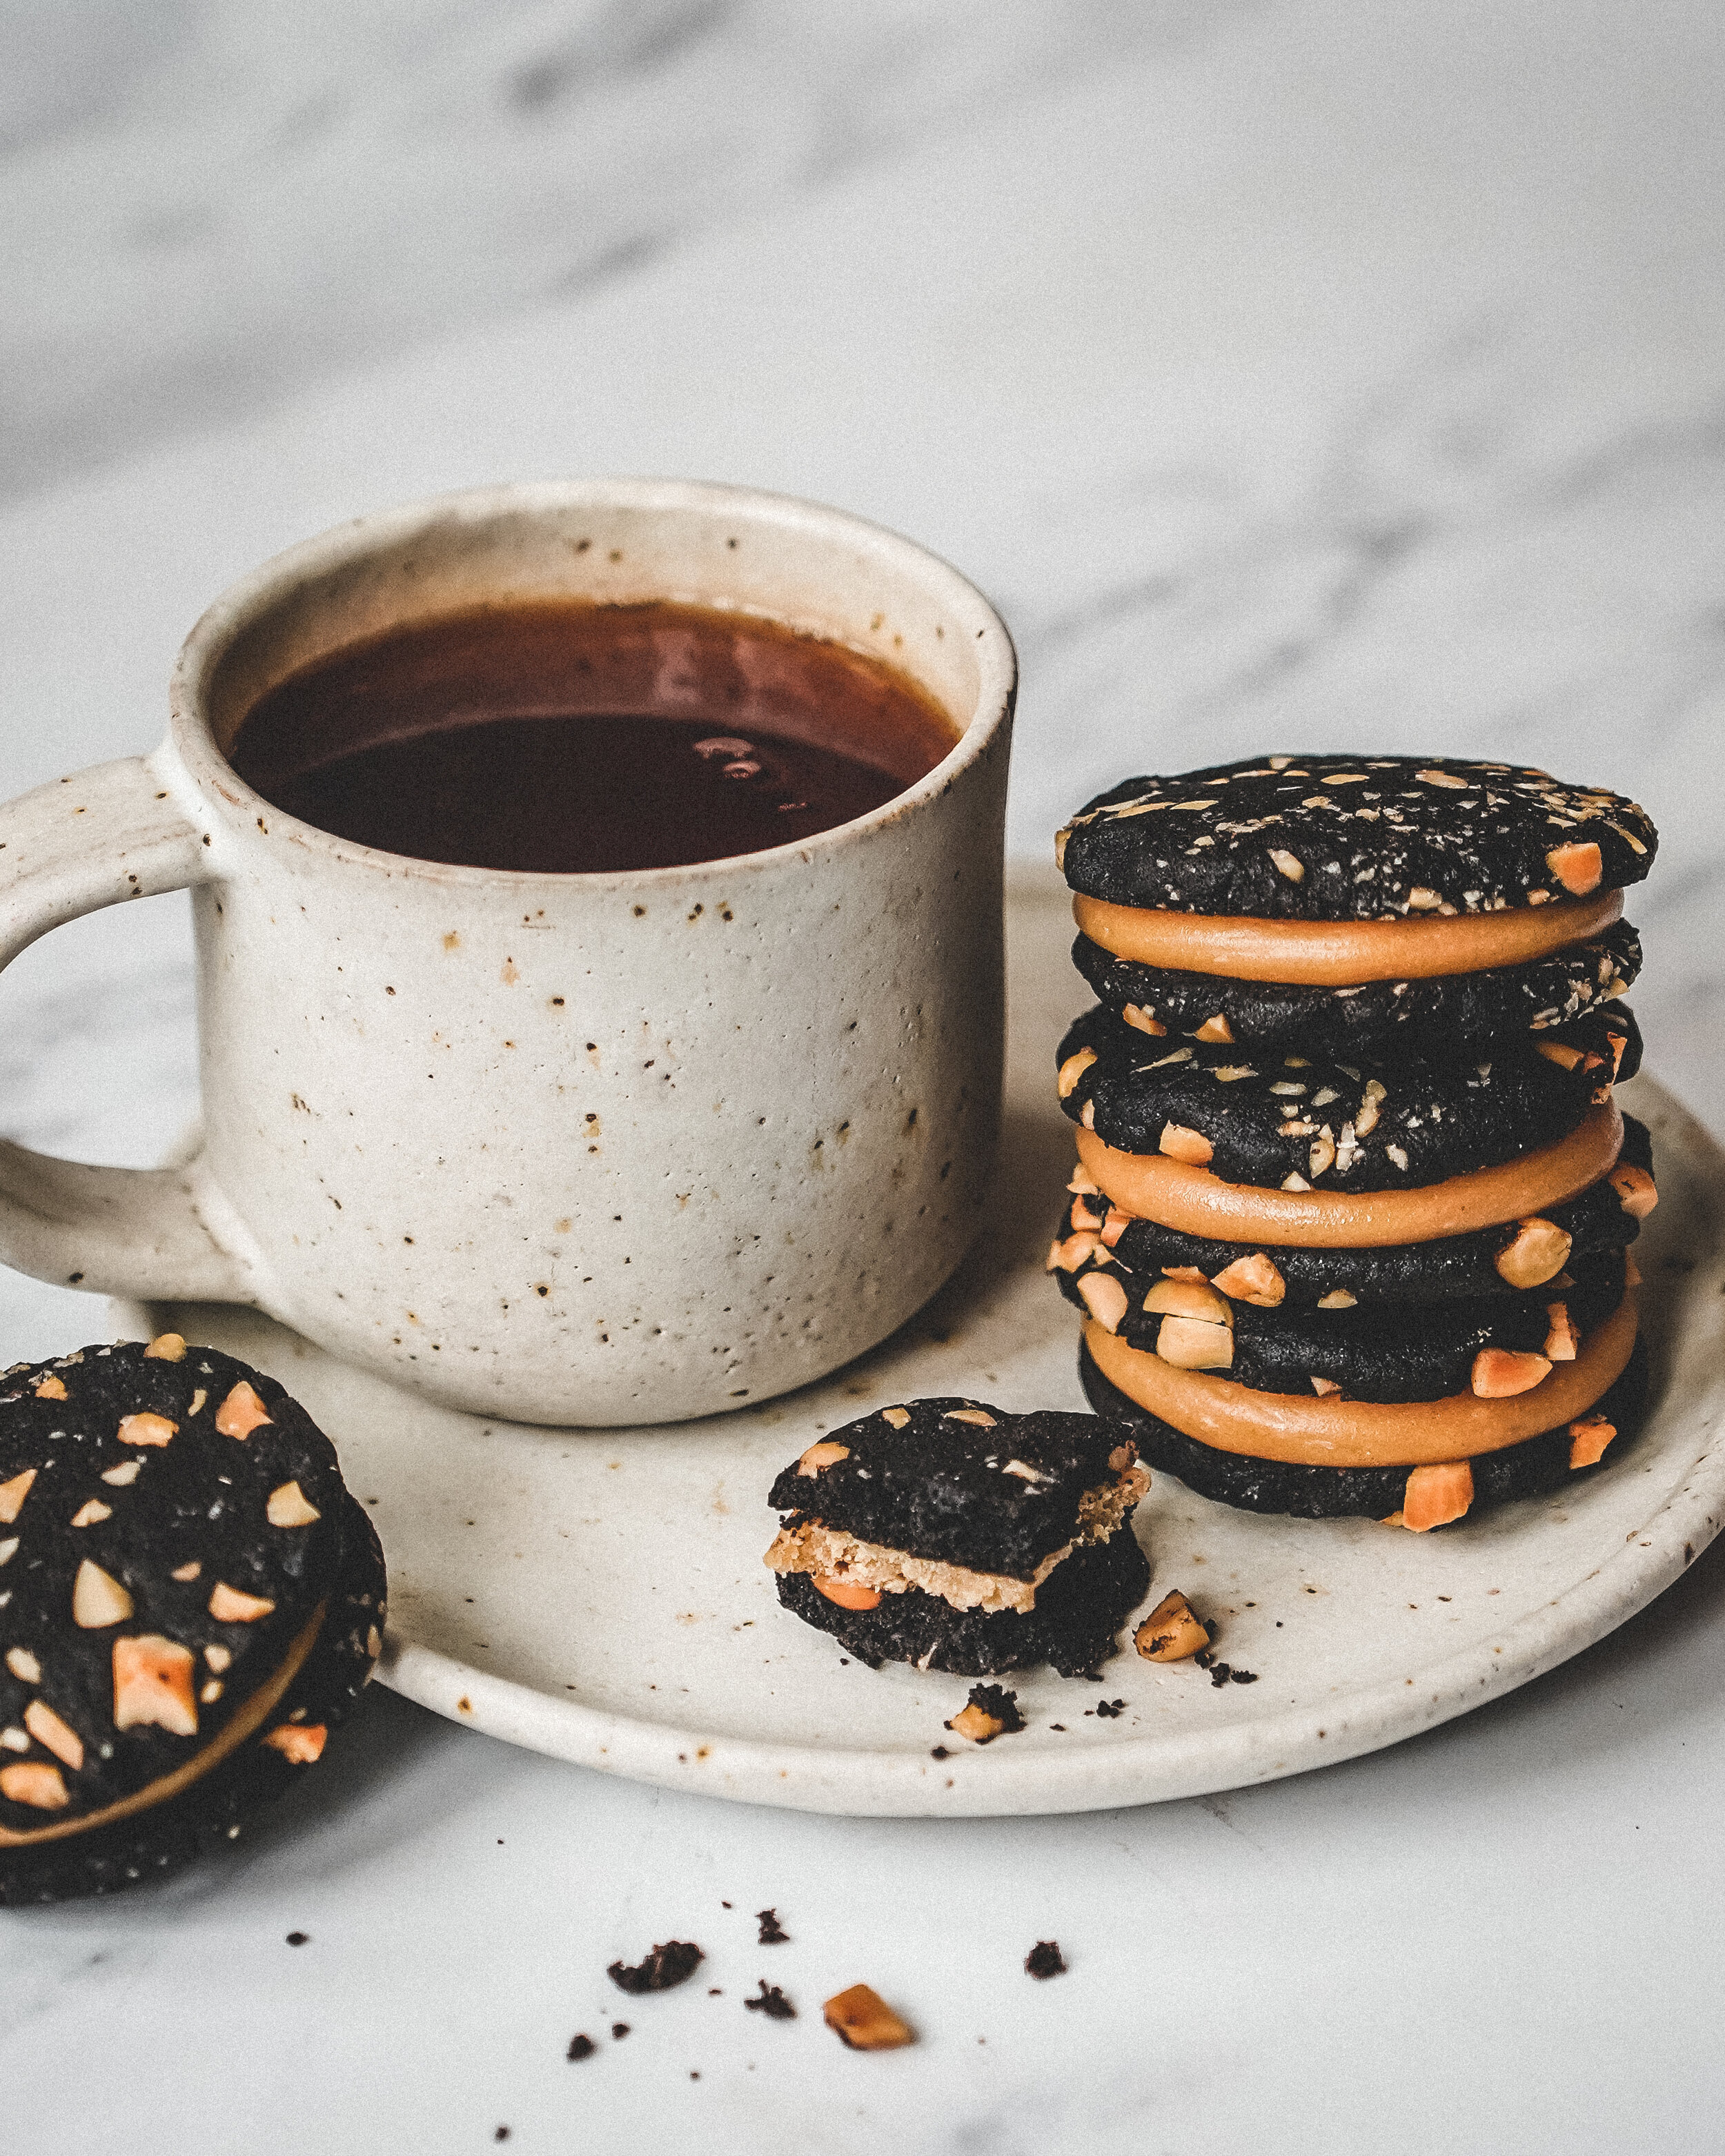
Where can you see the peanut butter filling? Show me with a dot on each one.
(831, 1553)
(256, 1711)
(1337, 954)
(1177, 1193)
(1340, 1433)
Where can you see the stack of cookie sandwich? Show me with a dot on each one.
(1351, 1222)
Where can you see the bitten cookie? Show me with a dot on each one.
(190, 1602)
(948, 1533)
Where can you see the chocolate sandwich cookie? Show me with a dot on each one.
(1507, 1259)
(1370, 1352)
(190, 1602)
(1435, 1016)
(1294, 1123)
(1551, 1460)
(948, 1533)
(1354, 838)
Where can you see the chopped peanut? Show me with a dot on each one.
(1589, 1436)
(827, 1454)
(847, 1594)
(1578, 868)
(1253, 1280)
(1540, 1250)
(229, 1605)
(1563, 1339)
(1073, 1069)
(1636, 1190)
(1501, 1372)
(1434, 1496)
(1170, 1633)
(1178, 1142)
(98, 1599)
(863, 2020)
(1105, 1298)
(12, 1495)
(146, 1429)
(242, 1412)
(289, 1506)
(1136, 1016)
(299, 1742)
(53, 1734)
(152, 1684)
(1216, 1027)
(976, 1723)
(165, 1347)
(51, 1389)
(34, 1782)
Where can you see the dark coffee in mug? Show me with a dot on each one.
(560, 737)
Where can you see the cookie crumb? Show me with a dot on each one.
(772, 2002)
(1110, 1710)
(1045, 1960)
(580, 2047)
(299, 1938)
(773, 1932)
(619, 2029)
(662, 1970)
(940, 1752)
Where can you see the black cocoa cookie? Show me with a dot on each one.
(1433, 1017)
(950, 1533)
(1451, 1268)
(1295, 1122)
(190, 1600)
(1074, 1625)
(1364, 1353)
(1334, 838)
(1536, 1465)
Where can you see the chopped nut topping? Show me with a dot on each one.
(1290, 865)
(1216, 1027)
(1170, 1632)
(825, 1454)
(1366, 1122)
(1563, 1339)
(1589, 1436)
(242, 1412)
(90, 1512)
(218, 1657)
(209, 1693)
(185, 1571)
(1105, 1298)
(1073, 1069)
(1423, 900)
(1025, 1471)
(12, 1495)
(1399, 1155)
(1179, 1142)
(299, 1745)
(51, 1389)
(198, 1397)
(98, 1599)
(289, 1506)
(1136, 1016)
(1325, 1387)
(146, 1429)
(1636, 1190)
(153, 1686)
(977, 1415)
(1501, 1372)
(1338, 1298)
(24, 1665)
(123, 1476)
(1439, 778)
(863, 2020)
(977, 1724)
(165, 1347)
(898, 1417)
(35, 1783)
(1578, 868)
(1434, 1496)
(53, 1734)
(1539, 1251)
(1321, 1152)
(8, 1548)
(1253, 1280)
(229, 1605)
(14, 1740)
(1067, 1257)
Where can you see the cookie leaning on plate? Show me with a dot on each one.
(948, 1533)
(190, 1602)
(1320, 902)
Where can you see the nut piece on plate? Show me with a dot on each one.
(992, 1711)
(1170, 1632)
(664, 1970)
(864, 2022)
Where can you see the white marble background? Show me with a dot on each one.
(1290, 372)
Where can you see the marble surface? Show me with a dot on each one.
(1286, 372)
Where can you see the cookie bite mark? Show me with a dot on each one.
(1341, 953)
(1329, 1431)
(1182, 1195)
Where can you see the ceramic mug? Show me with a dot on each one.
(603, 1149)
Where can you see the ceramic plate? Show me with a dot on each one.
(599, 1595)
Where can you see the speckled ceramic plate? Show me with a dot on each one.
(600, 1596)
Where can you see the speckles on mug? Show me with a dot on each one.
(452, 939)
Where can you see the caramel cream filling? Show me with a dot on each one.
(256, 1711)
(1175, 1194)
(1341, 1433)
(829, 1552)
(1337, 954)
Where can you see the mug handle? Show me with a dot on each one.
(110, 832)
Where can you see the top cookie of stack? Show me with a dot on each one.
(1327, 903)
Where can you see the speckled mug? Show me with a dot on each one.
(592, 1149)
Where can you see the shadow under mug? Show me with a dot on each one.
(604, 1148)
